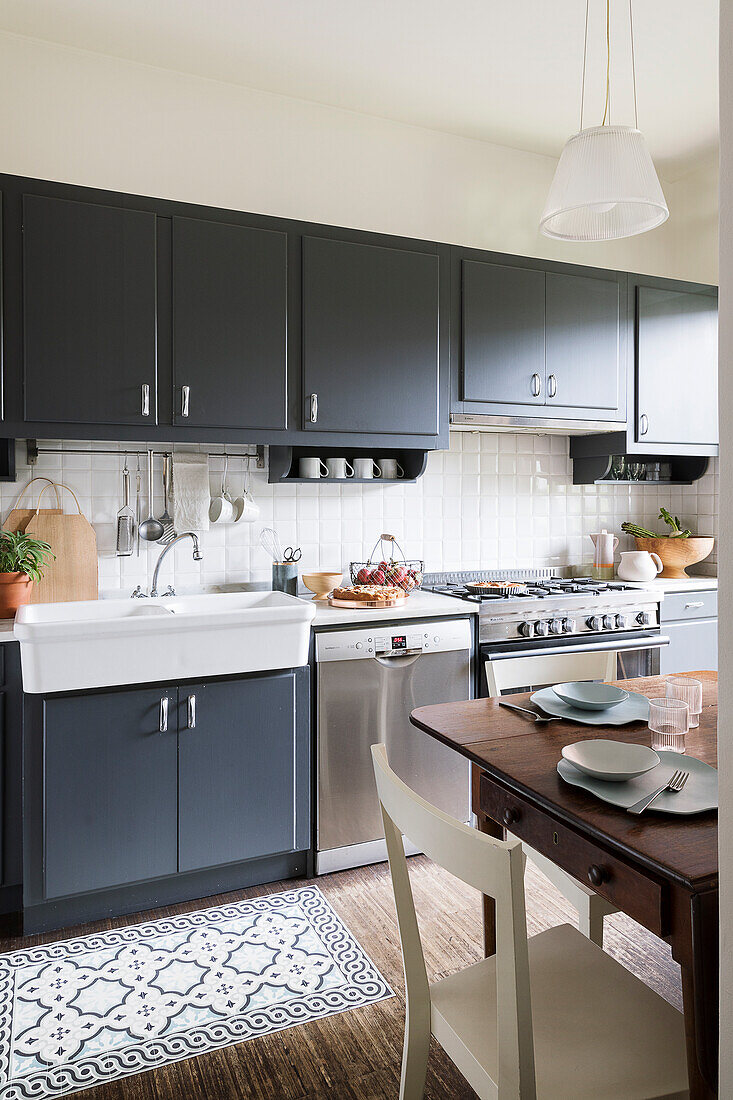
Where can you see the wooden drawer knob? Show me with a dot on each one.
(596, 875)
(510, 816)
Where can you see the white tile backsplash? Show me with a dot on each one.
(490, 501)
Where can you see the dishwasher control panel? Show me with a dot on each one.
(403, 640)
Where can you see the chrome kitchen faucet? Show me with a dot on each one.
(197, 556)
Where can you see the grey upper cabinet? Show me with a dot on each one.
(109, 790)
(371, 338)
(243, 770)
(538, 343)
(229, 325)
(503, 334)
(89, 313)
(676, 366)
(583, 344)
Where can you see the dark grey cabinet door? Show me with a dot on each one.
(110, 812)
(243, 769)
(89, 313)
(229, 325)
(371, 333)
(676, 366)
(583, 343)
(503, 334)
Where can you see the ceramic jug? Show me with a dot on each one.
(639, 565)
(605, 545)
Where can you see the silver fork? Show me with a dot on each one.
(533, 713)
(675, 783)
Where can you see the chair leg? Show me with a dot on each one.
(590, 922)
(415, 1056)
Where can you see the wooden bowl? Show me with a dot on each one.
(321, 583)
(677, 554)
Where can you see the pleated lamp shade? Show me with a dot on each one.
(605, 187)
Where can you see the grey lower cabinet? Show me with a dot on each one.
(690, 620)
(371, 340)
(89, 313)
(11, 749)
(139, 797)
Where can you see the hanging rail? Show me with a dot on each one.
(33, 451)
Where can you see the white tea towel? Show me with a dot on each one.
(191, 493)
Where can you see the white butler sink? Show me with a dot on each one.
(102, 643)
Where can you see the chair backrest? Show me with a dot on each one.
(496, 868)
(536, 670)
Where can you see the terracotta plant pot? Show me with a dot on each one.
(677, 554)
(15, 590)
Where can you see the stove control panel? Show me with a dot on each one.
(596, 624)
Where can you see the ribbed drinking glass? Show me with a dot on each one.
(690, 690)
(669, 722)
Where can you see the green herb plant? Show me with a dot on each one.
(673, 522)
(21, 553)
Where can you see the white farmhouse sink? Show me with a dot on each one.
(101, 643)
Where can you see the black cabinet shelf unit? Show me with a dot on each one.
(593, 458)
(284, 461)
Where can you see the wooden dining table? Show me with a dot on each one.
(660, 869)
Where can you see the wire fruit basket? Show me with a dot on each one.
(400, 572)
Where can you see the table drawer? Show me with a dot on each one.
(621, 884)
(678, 606)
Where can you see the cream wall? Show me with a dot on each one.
(86, 118)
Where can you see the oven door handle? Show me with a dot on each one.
(636, 644)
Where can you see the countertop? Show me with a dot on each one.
(416, 606)
(691, 584)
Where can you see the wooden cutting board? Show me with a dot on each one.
(74, 575)
(18, 518)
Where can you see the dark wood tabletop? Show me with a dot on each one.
(682, 848)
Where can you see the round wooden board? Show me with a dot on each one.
(366, 605)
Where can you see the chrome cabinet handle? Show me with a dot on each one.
(551, 385)
(698, 603)
(314, 408)
(192, 712)
(185, 397)
(536, 385)
(163, 723)
(145, 399)
(643, 424)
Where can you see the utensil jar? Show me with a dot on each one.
(285, 577)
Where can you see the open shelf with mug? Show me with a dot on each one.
(286, 464)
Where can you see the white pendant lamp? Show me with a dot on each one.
(605, 185)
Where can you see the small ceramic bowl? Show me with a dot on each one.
(590, 696)
(611, 761)
(321, 583)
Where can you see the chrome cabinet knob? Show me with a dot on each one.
(557, 626)
(595, 622)
(541, 629)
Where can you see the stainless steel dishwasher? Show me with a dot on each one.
(368, 682)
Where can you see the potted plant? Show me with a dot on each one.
(677, 548)
(22, 562)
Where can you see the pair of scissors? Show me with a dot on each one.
(292, 555)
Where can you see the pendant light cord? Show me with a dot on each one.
(633, 66)
(585, 61)
(607, 105)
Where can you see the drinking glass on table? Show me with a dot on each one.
(689, 689)
(669, 721)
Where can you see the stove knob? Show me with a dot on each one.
(595, 622)
(609, 622)
(644, 618)
(621, 622)
(541, 629)
(556, 626)
(526, 630)
(569, 626)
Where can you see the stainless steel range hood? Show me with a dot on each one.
(480, 422)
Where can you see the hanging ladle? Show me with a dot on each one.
(151, 528)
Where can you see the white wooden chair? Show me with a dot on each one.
(549, 1017)
(537, 670)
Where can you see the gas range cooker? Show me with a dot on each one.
(551, 607)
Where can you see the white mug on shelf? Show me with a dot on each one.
(366, 467)
(339, 467)
(390, 468)
(312, 467)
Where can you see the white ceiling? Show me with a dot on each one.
(506, 71)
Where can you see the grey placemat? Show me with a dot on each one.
(699, 793)
(633, 709)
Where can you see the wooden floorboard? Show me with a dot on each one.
(356, 1055)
